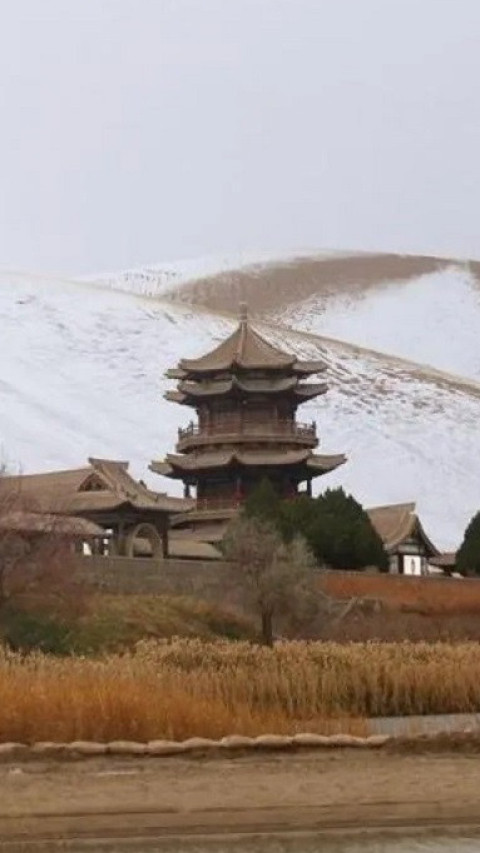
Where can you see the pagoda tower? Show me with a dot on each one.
(245, 394)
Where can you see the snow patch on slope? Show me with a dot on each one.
(81, 372)
(434, 319)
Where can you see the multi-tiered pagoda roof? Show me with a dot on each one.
(245, 392)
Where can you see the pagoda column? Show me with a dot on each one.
(309, 487)
(164, 536)
(289, 489)
(238, 489)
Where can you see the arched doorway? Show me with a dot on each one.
(144, 540)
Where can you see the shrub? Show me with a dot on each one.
(276, 577)
(28, 631)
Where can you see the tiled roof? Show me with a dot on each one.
(21, 521)
(68, 491)
(245, 348)
(223, 458)
(396, 523)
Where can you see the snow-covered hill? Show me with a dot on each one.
(82, 374)
(168, 278)
(417, 307)
(433, 319)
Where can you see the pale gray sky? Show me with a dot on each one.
(136, 131)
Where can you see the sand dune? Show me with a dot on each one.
(275, 285)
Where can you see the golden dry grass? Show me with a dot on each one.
(185, 688)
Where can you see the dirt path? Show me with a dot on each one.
(178, 796)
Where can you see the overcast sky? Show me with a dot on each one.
(140, 131)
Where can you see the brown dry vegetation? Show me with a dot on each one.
(185, 688)
(113, 623)
(429, 596)
(365, 623)
(394, 608)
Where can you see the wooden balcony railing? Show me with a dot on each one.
(232, 427)
(230, 502)
(219, 503)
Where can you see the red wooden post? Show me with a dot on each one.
(238, 490)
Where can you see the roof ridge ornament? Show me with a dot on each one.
(244, 348)
(243, 317)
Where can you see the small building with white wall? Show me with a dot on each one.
(409, 548)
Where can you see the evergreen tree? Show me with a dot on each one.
(334, 525)
(297, 518)
(264, 504)
(337, 530)
(468, 556)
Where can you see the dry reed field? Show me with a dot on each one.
(182, 688)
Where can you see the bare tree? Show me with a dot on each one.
(277, 579)
(37, 569)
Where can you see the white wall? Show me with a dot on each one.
(412, 565)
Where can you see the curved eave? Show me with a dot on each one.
(220, 514)
(324, 464)
(174, 505)
(162, 504)
(189, 393)
(308, 392)
(179, 466)
(252, 386)
(205, 368)
(431, 549)
(231, 366)
(175, 373)
(309, 368)
(176, 397)
(413, 528)
(214, 389)
(299, 368)
(163, 468)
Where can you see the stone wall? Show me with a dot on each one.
(216, 581)
(209, 580)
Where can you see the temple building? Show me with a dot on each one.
(409, 549)
(101, 496)
(245, 394)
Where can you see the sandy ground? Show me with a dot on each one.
(268, 287)
(158, 797)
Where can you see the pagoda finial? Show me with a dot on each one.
(243, 312)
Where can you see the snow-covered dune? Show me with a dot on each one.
(433, 319)
(176, 278)
(270, 284)
(82, 369)
(422, 308)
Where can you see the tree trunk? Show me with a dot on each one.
(267, 628)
